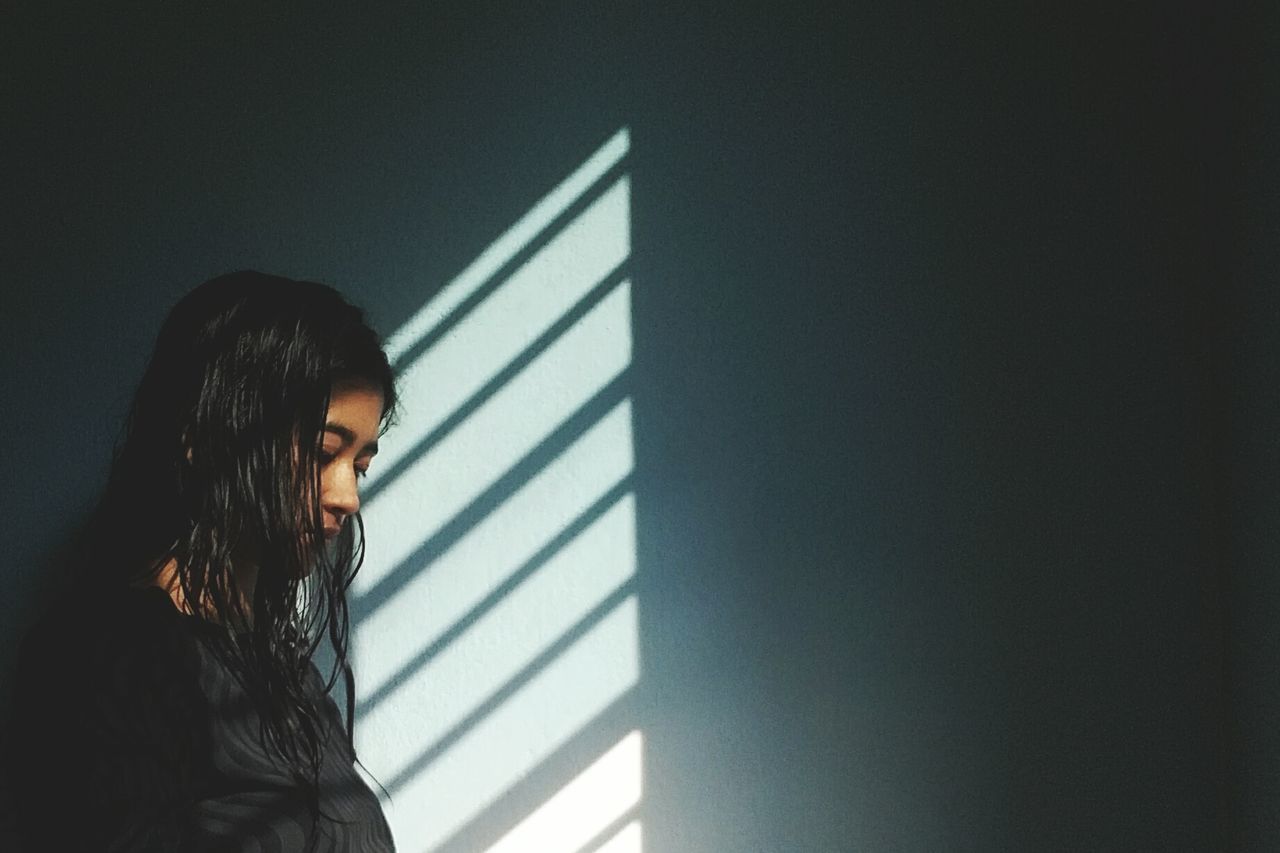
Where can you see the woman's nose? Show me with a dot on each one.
(342, 495)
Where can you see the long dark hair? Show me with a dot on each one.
(220, 456)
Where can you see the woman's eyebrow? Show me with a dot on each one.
(348, 437)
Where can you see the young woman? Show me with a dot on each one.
(169, 701)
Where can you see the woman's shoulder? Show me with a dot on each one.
(107, 710)
(122, 611)
(98, 634)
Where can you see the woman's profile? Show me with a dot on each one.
(169, 701)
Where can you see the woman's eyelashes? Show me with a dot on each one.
(327, 457)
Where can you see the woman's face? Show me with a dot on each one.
(349, 443)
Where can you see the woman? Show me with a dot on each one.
(170, 701)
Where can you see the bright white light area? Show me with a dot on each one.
(584, 808)
(507, 744)
(626, 841)
(508, 245)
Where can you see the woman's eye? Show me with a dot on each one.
(362, 473)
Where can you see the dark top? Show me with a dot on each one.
(130, 735)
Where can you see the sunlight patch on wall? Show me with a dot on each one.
(485, 761)
(502, 250)
(603, 793)
(543, 289)
(626, 841)
(556, 517)
(512, 424)
(495, 623)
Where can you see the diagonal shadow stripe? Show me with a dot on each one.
(558, 769)
(476, 613)
(606, 835)
(515, 237)
(535, 245)
(544, 659)
(522, 360)
(362, 606)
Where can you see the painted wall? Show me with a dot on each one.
(950, 348)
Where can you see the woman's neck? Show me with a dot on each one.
(246, 577)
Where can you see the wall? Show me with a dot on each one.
(1251, 391)
(940, 445)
